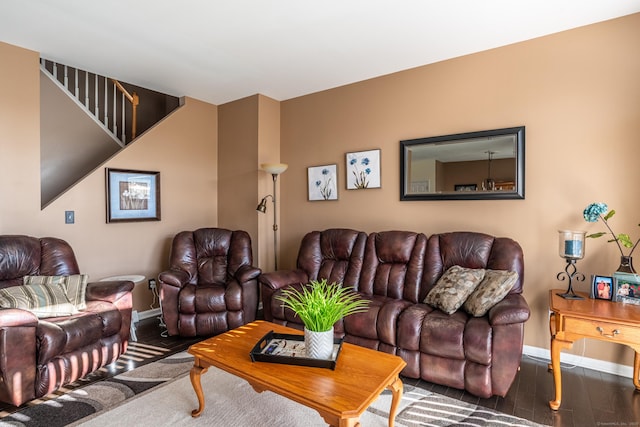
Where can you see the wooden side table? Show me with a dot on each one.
(571, 320)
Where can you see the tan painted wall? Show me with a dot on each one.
(249, 135)
(577, 93)
(183, 148)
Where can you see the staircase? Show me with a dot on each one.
(104, 99)
(85, 119)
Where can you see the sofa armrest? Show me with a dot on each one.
(110, 291)
(174, 277)
(512, 309)
(246, 273)
(15, 317)
(281, 278)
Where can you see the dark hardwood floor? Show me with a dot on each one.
(590, 398)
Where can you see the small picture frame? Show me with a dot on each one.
(602, 287)
(465, 187)
(132, 195)
(627, 288)
(322, 182)
(363, 170)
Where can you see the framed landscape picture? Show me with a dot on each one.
(132, 195)
(322, 182)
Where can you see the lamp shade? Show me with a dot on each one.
(274, 168)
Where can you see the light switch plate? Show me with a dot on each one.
(69, 217)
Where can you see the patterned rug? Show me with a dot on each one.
(160, 393)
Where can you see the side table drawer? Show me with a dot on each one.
(602, 330)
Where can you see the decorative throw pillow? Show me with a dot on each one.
(41, 300)
(453, 288)
(75, 285)
(493, 288)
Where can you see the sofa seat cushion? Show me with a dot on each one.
(67, 335)
(202, 299)
(443, 335)
(380, 320)
(42, 300)
(454, 287)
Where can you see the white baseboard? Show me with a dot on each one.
(583, 362)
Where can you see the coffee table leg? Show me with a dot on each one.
(195, 374)
(396, 388)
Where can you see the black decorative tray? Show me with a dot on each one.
(289, 350)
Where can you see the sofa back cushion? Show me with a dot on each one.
(334, 254)
(393, 265)
(211, 255)
(30, 256)
(471, 250)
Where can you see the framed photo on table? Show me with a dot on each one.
(132, 195)
(627, 288)
(602, 287)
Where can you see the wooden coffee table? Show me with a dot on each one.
(340, 395)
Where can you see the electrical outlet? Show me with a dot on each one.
(152, 283)
(69, 217)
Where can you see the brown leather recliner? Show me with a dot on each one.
(395, 271)
(39, 356)
(211, 286)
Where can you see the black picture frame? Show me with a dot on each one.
(602, 287)
(429, 160)
(132, 195)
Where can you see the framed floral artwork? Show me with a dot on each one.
(322, 182)
(132, 195)
(363, 170)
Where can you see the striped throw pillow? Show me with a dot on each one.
(41, 300)
(75, 285)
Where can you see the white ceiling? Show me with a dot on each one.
(223, 50)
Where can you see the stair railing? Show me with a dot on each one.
(91, 91)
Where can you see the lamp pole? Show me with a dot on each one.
(274, 169)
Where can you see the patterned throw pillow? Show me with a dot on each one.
(493, 288)
(453, 288)
(75, 285)
(41, 300)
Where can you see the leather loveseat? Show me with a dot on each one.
(88, 330)
(395, 270)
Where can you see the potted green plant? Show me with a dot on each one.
(320, 305)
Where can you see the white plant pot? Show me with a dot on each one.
(318, 345)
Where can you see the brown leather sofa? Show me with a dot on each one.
(211, 286)
(395, 270)
(40, 355)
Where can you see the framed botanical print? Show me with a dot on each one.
(322, 182)
(363, 170)
(132, 195)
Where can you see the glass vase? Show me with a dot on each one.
(626, 265)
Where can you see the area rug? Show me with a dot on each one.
(160, 394)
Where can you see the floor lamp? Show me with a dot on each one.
(274, 169)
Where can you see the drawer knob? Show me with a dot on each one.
(612, 335)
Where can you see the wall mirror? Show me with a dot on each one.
(480, 165)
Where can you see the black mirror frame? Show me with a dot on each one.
(518, 193)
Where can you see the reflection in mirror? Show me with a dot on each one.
(467, 166)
